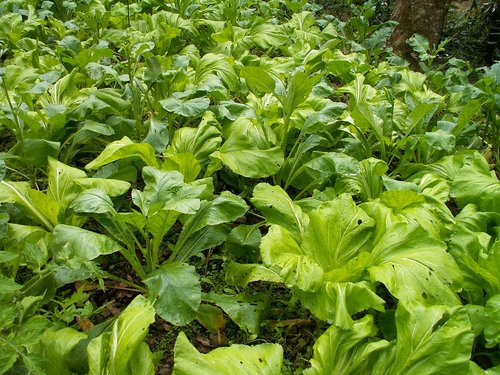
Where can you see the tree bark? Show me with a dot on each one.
(425, 17)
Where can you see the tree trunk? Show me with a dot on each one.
(425, 17)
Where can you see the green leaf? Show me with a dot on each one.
(404, 206)
(19, 192)
(298, 89)
(122, 149)
(321, 168)
(415, 267)
(61, 182)
(200, 141)
(243, 242)
(282, 254)
(187, 108)
(37, 151)
(242, 156)
(175, 291)
(430, 340)
(336, 302)
(112, 187)
(466, 114)
(258, 80)
(368, 182)
(351, 351)
(93, 201)
(220, 65)
(57, 347)
(474, 183)
(478, 264)
(246, 312)
(224, 209)
(143, 362)
(3, 169)
(279, 209)
(337, 232)
(69, 242)
(242, 274)
(492, 321)
(166, 190)
(206, 238)
(184, 162)
(113, 352)
(265, 359)
(158, 135)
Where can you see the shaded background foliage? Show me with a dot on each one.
(471, 26)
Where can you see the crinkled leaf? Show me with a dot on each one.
(492, 321)
(474, 183)
(415, 267)
(351, 351)
(337, 232)
(430, 340)
(265, 359)
(282, 254)
(337, 302)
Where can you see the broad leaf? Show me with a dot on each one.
(245, 311)
(474, 183)
(263, 359)
(224, 209)
(57, 347)
(69, 241)
(242, 156)
(61, 180)
(122, 149)
(492, 321)
(337, 232)
(415, 267)
(430, 340)
(93, 201)
(175, 291)
(187, 108)
(113, 352)
(258, 80)
(166, 190)
(112, 187)
(242, 274)
(336, 302)
(279, 209)
(352, 351)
